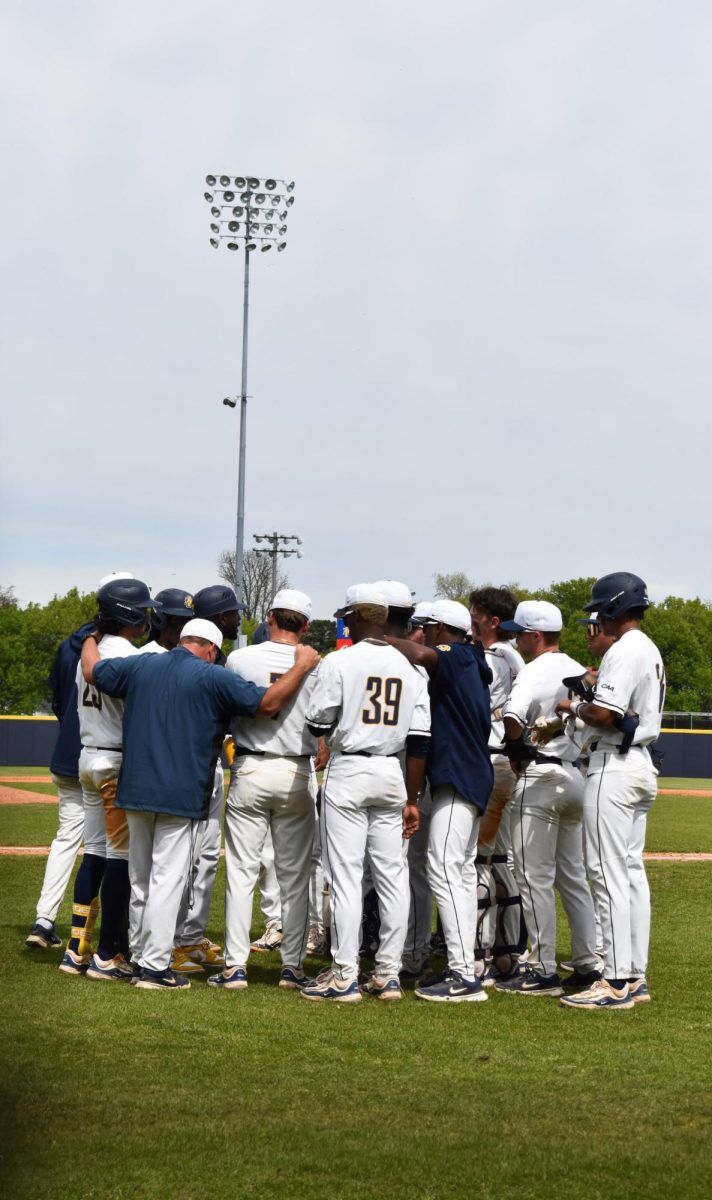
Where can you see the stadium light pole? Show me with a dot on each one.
(258, 220)
(278, 546)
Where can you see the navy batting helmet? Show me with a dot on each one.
(174, 602)
(125, 601)
(615, 594)
(218, 598)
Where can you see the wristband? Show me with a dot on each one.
(575, 707)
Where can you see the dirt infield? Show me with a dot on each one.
(28, 778)
(9, 795)
(685, 792)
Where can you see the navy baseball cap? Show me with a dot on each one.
(218, 598)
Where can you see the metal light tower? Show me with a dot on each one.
(275, 550)
(247, 213)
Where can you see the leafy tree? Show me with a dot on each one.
(257, 580)
(322, 636)
(29, 639)
(7, 597)
(455, 586)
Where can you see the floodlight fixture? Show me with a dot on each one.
(240, 181)
(214, 228)
(250, 246)
(282, 246)
(245, 197)
(215, 212)
(233, 226)
(208, 197)
(282, 230)
(210, 180)
(260, 198)
(228, 197)
(290, 186)
(265, 246)
(268, 228)
(252, 183)
(214, 243)
(238, 212)
(270, 184)
(236, 246)
(289, 201)
(224, 181)
(230, 401)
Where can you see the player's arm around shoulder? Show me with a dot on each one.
(306, 659)
(326, 698)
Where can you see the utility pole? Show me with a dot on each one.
(277, 546)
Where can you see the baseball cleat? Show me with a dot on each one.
(74, 964)
(202, 956)
(165, 981)
(583, 979)
(600, 995)
(316, 942)
(47, 939)
(382, 987)
(270, 940)
(529, 982)
(233, 979)
(327, 987)
(638, 989)
(453, 988)
(294, 978)
(112, 969)
(492, 975)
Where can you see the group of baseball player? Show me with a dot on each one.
(428, 774)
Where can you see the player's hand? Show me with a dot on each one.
(411, 820)
(322, 755)
(563, 707)
(546, 728)
(307, 658)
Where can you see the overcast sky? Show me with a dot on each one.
(486, 348)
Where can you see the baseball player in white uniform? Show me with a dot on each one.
(122, 619)
(625, 712)
(369, 703)
(499, 928)
(272, 790)
(547, 809)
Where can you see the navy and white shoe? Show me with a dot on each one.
(529, 982)
(165, 981)
(114, 970)
(74, 964)
(492, 975)
(382, 987)
(583, 979)
(601, 994)
(453, 988)
(294, 978)
(639, 990)
(47, 939)
(232, 979)
(328, 986)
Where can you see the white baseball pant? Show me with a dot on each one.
(194, 911)
(620, 790)
(160, 859)
(64, 849)
(316, 881)
(268, 885)
(277, 795)
(498, 894)
(420, 914)
(106, 832)
(547, 841)
(452, 849)
(362, 810)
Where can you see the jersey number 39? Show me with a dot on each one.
(384, 697)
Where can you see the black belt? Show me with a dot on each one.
(635, 746)
(240, 750)
(368, 754)
(492, 750)
(113, 749)
(548, 758)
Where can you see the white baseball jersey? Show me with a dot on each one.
(536, 692)
(372, 697)
(631, 679)
(101, 716)
(505, 662)
(285, 734)
(153, 648)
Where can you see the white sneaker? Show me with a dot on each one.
(316, 942)
(270, 940)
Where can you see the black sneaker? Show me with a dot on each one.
(531, 983)
(166, 981)
(46, 938)
(583, 979)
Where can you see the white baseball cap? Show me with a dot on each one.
(200, 628)
(535, 616)
(360, 594)
(422, 612)
(397, 594)
(113, 575)
(294, 601)
(449, 612)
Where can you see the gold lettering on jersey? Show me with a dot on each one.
(444, 647)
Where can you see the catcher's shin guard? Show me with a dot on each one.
(510, 930)
(485, 908)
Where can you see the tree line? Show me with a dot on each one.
(682, 629)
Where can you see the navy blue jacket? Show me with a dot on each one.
(460, 723)
(63, 681)
(176, 711)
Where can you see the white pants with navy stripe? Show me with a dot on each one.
(620, 790)
(277, 796)
(452, 850)
(547, 842)
(195, 906)
(160, 855)
(64, 849)
(420, 915)
(362, 811)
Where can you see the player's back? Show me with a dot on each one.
(287, 733)
(101, 716)
(375, 696)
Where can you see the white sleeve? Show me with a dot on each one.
(614, 684)
(326, 700)
(520, 700)
(233, 659)
(420, 721)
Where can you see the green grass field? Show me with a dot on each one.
(110, 1094)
